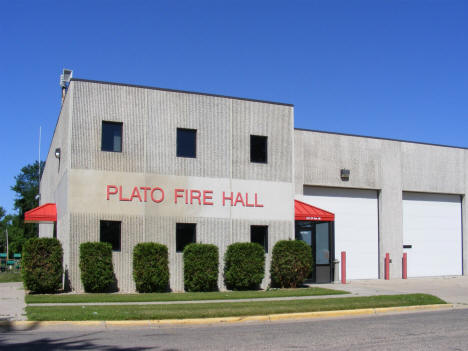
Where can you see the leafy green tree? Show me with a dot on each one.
(16, 237)
(27, 190)
(3, 226)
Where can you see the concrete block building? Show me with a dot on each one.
(130, 164)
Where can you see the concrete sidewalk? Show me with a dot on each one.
(451, 289)
(266, 299)
(12, 302)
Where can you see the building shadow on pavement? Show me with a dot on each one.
(9, 336)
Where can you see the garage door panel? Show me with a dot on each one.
(432, 225)
(356, 226)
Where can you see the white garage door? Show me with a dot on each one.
(356, 226)
(432, 225)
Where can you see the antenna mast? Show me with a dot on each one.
(39, 169)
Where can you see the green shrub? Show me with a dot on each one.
(97, 272)
(201, 267)
(42, 265)
(291, 263)
(244, 266)
(150, 267)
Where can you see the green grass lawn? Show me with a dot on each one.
(8, 277)
(80, 298)
(206, 310)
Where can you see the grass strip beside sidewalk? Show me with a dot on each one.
(208, 310)
(154, 297)
(9, 277)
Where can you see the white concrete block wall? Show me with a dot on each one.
(150, 119)
(300, 158)
(465, 218)
(389, 166)
(135, 229)
(54, 181)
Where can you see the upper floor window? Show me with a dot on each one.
(111, 136)
(258, 149)
(186, 142)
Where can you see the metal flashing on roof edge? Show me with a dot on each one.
(179, 91)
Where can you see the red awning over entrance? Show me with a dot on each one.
(306, 212)
(46, 213)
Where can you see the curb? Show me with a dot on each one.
(198, 321)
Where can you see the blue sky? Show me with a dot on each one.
(394, 69)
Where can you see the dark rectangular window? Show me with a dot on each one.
(110, 233)
(111, 139)
(259, 235)
(185, 234)
(258, 149)
(186, 142)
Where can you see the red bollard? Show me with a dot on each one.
(343, 267)
(405, 265)
(387, 266)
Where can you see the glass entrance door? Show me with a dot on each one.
(321, 251)
(320, 237)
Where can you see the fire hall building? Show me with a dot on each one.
(130, 164)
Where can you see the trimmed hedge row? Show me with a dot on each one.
(244, 269)
(97, 271)
(291, 263)
(201, 267)
(150, 267)
(244, 266)
(42, 265)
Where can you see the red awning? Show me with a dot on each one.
(46, 213)
(306, 212)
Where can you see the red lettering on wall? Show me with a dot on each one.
(145, 189)
(207, 195)
(189, 196)
(113, 192)
(120, 195)
(177, 195)
(152, 195)
(247, 201)
(135, 193)
(239, 199)
(195, 195)
(257, 204)
(227, 198)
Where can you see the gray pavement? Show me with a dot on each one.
(451, 289)
(12, 302)
(443, 330)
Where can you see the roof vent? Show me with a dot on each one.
(65, 81)
(65, 77)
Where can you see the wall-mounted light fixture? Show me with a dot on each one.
(345, 174)
(57, 153)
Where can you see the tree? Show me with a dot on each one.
(3, 226)
(16, 237)
(27, 189)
